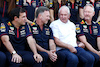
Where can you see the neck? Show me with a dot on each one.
(15, 24)
(59, 1)
(72, 1)
(88, 22)
(39, 22)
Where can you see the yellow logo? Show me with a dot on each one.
(9, 23)
(82, 22)
(32, 24)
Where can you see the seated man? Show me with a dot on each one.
(14, 36)
(43, 34)
(65, 39)
(88, 32)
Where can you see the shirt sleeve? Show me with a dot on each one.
(28, 30)
(51, 34)
(3, 29)
(79, 30)
(55, 30)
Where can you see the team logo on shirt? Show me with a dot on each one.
(35, 30)
(82, 22)
(85, 28)
(95, 30)
(77, 28)
(11, 31)
(2, 28)
(22, 32)
(9, 23)
(47, 31)
(32, 24)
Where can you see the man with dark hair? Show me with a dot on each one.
(14, 36)
(43, 34)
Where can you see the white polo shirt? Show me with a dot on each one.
(65, 32)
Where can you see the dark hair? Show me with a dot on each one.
(16, 12)
(41, 9)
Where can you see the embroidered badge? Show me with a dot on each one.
(9, 23)
(77, 28)
(82, 22)
(2, 28)
(32, 24)
(35, 31)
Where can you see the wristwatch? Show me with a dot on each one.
(14, 52)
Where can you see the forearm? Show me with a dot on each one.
(32, 44)
(98, 19)
(98, 43)
(41, 49)
(81, 13)
(52, 45)
(51, 15)
(88, 46)
(7, 44)
(61, 44)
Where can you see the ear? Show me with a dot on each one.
(69, 16)
(93, 13)
(15, 18)
(40, 16)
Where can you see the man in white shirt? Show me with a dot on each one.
(65, 39)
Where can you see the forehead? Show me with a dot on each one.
(22, 14)
(63, 11)
(88, 8)
(46, 12)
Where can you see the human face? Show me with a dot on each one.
(45, 17)
(88, 13)
(22, 19)
(63, 15)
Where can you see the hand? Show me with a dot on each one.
(52, 55)
(72, 49)
(16, 58)
(38, 58)
(81, 45)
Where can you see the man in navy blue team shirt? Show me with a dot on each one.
(14, 36)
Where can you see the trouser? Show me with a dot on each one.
(97, 62)
(72, 59)
(2, 59)
(45, 58)
(27, 59)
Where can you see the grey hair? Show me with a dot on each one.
(64, 7)
(90, 6)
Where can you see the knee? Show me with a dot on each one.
(73, 59)
(90, 59)
(2, 57)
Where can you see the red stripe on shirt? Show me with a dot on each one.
(90, 29)
(17, 33)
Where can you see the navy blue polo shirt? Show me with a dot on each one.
(90, 31)
(30, 8)
(42, 36)
(4, 17)
(17, 36)
(74, 9)
(96, 6)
